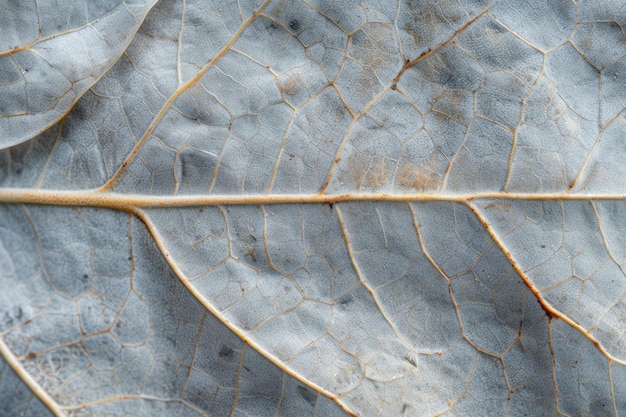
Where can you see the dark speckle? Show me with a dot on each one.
(226, 352)
(410, 360)
(346, 300)
(294, 25)
(308, 396)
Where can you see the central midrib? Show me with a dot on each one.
(120, 201)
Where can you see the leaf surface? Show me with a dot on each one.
(320, 208)
(51, 53)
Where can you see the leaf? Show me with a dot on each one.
(320, 208)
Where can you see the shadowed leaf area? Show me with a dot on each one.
(312, 208)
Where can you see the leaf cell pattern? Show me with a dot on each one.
(51, 53)
(313, 208)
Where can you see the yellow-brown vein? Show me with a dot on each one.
(168, 103)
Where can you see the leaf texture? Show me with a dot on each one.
(51, 53)
(321, 208)
(16, 398)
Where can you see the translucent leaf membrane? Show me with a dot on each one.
(320, 208)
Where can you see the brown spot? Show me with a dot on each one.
(251, 254)
(367, 81)
(291, 84)
(378, 175)
(498, 206)
(419, 177)
(451, 105)
(410, 28)
(31, 355)
(354, 173)
(370, 48)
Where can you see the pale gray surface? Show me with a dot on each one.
(511, 303)
(52, 52)
(16, 399)
(125, 331)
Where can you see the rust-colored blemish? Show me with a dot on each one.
(419, 177)
(498, 206)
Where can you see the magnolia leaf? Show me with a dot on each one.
(325, 208)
